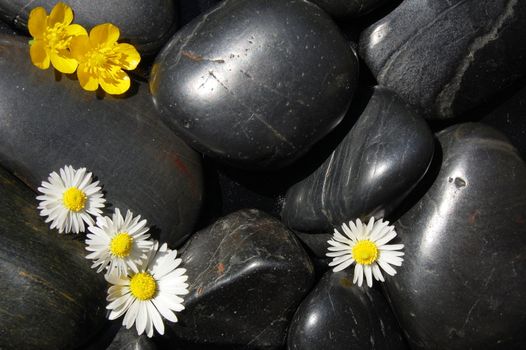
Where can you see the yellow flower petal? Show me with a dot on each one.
(115, 83)
(75, 30)
(130, 58)
(37, 22)
(79, 46)
(106, 34)
(63, 63)
(39, 56)
(87, 80)
(61, 13)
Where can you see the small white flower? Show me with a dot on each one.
(149, 292)
(118, 243)
(69, 199)
(366, 246)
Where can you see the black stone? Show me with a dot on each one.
(145, 24)
(255, 83)
(51, 299)
(348, 8)
(247, 275)
(340, 315)
(380, 160)
(462, 283)
(46, 124)
(189, 9)
(127, 339)
(508, 117)
(448, 56)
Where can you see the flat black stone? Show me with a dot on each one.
(51, 299)
(448, 56)
(255, 83)
(340, 315)
(190, 9)
(462, 283)
(380, 160)
(46, 124)
(348, 8)
(247, 275)
(145, 24)
(127, 339)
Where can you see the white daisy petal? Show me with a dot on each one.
(151, 292)
(377, 273)
(343, 265)
(66, 205)
(335, 254)
(368, 275)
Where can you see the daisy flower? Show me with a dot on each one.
(149, 292)
(69, 199)
(118, 243)
(366, 246)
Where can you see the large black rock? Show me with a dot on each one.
(348, 8)
(145, 24)
(448, 56)
(255, 83)
(46, 124)
(340, 315)
(462, 284)
(51, 299)
(380, 160)
(247, 275)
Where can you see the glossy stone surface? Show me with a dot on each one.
(236, 267)
(348, 8)
(448, 56)
(51, 299)
(189, 9)
(255, 83)
(340, 315)
(462, 283)
(127, 339)
(145, 24)
(380, 160)
(46, 124)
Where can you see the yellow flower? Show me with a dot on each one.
(51, 37)
(102, 60)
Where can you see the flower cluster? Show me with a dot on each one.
(366, 246)
(146, 279)
(98, 58)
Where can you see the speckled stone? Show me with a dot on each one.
(146, 24)
(348, 8)
(448, 56)
(46, 124)
(255, 83)
(462, 284)
(247, 275)
(339, 315)
(51, 299)
(380, 160)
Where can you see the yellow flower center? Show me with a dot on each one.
(100, 59)
(74, 199)
(56, 37)
(143, 286)
(365, 252)
(121, 244)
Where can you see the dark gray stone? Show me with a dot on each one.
(189, 9)
(127, 339)
(255, 83)
(380, 160)
(448, 56)
(247, 275)
(462, 283)
(340, 315)
(348, 8)
(51, 299)
(46, 124)
(146, 24)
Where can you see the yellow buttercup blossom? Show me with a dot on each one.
(102, 60)
(51, 37)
